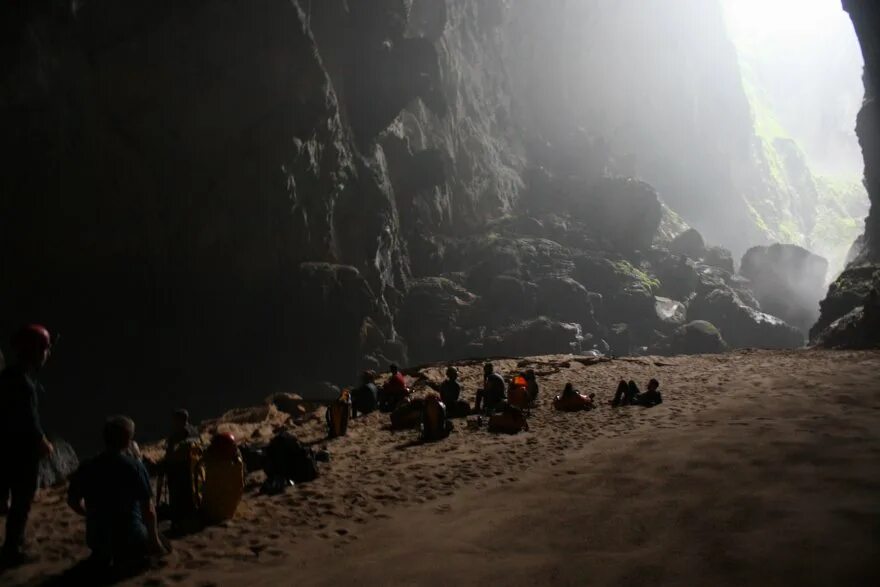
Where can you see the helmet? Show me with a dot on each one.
(223, 445)
(33, 337)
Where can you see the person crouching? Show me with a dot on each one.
(112, 491)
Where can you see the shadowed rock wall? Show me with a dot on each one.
(849, 310)
(217, 200)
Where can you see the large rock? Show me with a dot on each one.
(740, 325)
(677, 275)
(566, 300)
(694, 338)
(860, 328)
(690, 243)
(55, 469)
(670, 313)
(788, 281)
(848, 292)
(541, 336)
(626, 212)
(506, 298)
(627, 292)
(431, 316)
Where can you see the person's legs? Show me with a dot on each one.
(478, 403)
(22, 482)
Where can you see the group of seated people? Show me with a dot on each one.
(521, 390)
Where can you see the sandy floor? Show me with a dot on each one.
(760, 468)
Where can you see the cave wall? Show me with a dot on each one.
(866, 20)
(216, 200)
(850, 309)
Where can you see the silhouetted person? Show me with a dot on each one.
(22, 440)
(181, 431)
(531, 385)
(569, 390)
(625, 393)
(365, 398)
(492, 394)
(112, 491)
(450, 389)
(394, 390)
(651, 397)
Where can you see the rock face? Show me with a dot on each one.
(697, 337)
(788, 281)
(234, 199)
(848, 295)
(743, 326)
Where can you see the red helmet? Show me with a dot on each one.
(223, 444)
(33, 336)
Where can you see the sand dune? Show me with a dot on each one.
(760, 467)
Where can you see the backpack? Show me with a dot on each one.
(435, 426)
(509, 420)
(518, 396)
(184, 478)
(338, 414)
(408, 414)
(288, 459)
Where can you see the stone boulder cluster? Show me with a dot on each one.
(553, 283)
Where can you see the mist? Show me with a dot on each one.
(801, 68)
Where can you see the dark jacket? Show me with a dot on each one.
(450, 392)
(20, 425)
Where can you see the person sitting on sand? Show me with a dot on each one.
(394, 390)
(365, 398)
(625, 393)
(572, 400)
(112, 491)
(651, 397)
(450, 389)
(491, 396)
(531, 385)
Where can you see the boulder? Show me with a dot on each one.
(860, 328)
(697, 337)
(670, 313)
(525, 258)
(788, 281)
(564, 299)
(289, 403)
(541, 336)
(677, 275)
(625, 211)
(627, 292)
(740, 325)
(429, 319)
(848, 292)
(506, 298)
(719, 257)
(689, 243)
(55, 469)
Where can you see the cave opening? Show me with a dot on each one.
(801, 68)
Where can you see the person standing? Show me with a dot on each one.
(22, 440)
